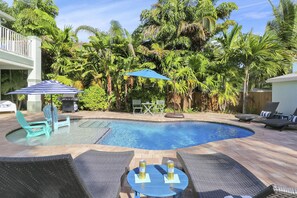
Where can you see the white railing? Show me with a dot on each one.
(14, 42)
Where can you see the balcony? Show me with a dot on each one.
(15, 43)
(15, 50)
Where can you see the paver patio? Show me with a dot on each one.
(269, 154)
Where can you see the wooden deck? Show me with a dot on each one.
(269, 154)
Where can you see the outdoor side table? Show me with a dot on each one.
(148, 106)
(157, 187)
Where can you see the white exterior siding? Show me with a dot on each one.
(286, 94)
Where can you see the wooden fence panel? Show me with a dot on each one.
(255, 102)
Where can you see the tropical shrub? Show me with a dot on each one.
(56, 100)
(94, 98)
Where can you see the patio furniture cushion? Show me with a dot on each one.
(293, 118)
(265, 113)
(217, 175)
(92, 174)
(7, 106)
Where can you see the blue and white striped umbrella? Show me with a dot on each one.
(47, 87)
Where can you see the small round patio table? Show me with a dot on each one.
(157, 186)
(148, 106)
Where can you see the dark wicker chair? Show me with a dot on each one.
(92, 174)
(217, 175)
(280, 123)
(274, 191)
(270, 106)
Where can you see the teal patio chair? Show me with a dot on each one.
(48, 116)
(33, 129)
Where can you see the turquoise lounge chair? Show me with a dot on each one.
(48, 116)
(33, 129)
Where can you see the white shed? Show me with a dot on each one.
(284, 91)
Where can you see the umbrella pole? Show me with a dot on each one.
(52, 112)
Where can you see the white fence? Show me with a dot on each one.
(14, 42)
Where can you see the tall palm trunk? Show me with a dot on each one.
(126, 95)
(189, 97)
(118, 98)
(245, 89)
(109, 85)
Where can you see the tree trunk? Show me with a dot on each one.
(126, 96)
(109, 85)
(245, 89)
(118, 98)
(190, 94)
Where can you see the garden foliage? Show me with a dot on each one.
(196, 43)
(94, 98)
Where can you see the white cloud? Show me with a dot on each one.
(252, 5)
(99, 14)
(257, 15)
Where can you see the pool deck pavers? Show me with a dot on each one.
(269, 154)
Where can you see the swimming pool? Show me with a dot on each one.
(135, 134)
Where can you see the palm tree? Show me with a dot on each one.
(109, 55)
(60, 46)
(184, 24)
(285, 24)
(86, 28)
(258, 53)
(177, 67)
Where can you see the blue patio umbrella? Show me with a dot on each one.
(147, 73)
(47, 87)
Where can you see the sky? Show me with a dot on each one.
(252, 14)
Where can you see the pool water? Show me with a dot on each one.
(135, 134)
(166, 136)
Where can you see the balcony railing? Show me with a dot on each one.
(13, 42)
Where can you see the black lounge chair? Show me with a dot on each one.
(274, 191)
(217, 175)
(281, 123)
(92, 174)
(268, 111)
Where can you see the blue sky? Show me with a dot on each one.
(252, 14)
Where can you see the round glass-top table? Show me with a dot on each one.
(157, 186)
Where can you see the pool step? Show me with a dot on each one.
(95, 124)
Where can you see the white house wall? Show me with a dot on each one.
(286, 94)
(14, 61)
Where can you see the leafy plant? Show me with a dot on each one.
(94, 98)
(56, 101)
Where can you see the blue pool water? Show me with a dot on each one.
(134, 134)
(166, 136)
